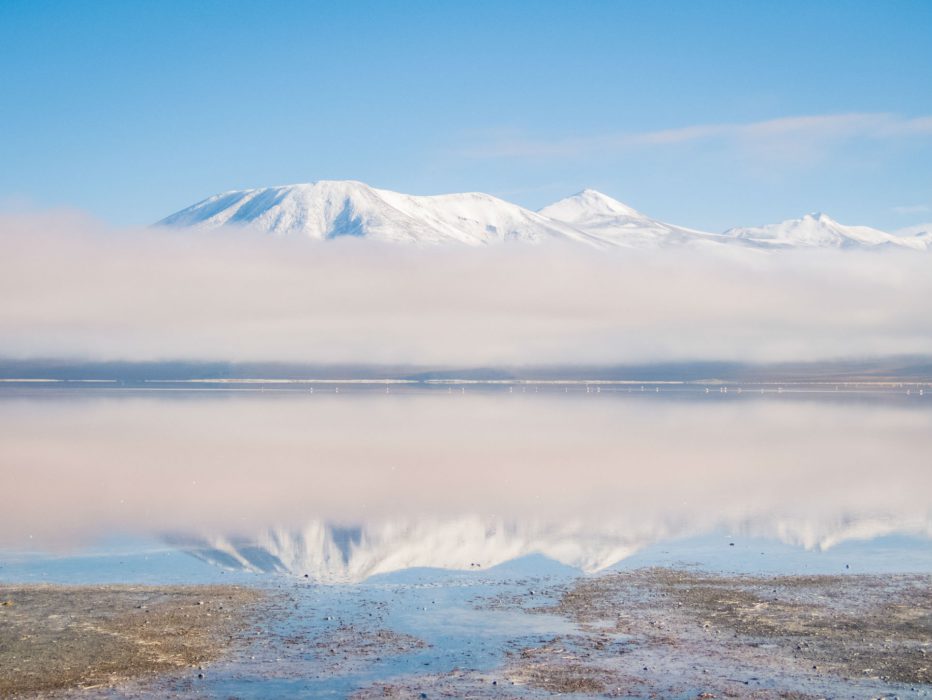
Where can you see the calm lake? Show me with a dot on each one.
(489, 540)
(346, 480)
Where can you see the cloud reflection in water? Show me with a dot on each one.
(352, 485)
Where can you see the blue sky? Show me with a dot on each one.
(708, 114)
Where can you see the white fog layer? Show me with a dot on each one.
(71, 289)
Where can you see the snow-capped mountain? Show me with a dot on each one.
(821, 231)
(618, 224)
(331, 209)
(919, 232)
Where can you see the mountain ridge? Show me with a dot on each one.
(330, 209)
(818, 230)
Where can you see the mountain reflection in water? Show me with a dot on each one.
(355, 485)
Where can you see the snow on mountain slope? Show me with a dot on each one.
(914, 230)
(331, 209)
(919, 232)
(589, 205)
(618, 224)
(821, 231)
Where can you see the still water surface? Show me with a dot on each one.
(343, 482)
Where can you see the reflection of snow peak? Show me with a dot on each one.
(335, 554)
(824, 535)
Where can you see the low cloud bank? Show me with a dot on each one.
(70, 287)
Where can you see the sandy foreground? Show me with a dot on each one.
(649, 633)
(661, 633)
(54, 638)
(667, 633)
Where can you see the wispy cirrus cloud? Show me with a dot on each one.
(798, 138)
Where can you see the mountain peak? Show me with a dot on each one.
(818, 230)
(587, 205)
(617, 224)
(589, 193)
(329, 209)
(818, 217)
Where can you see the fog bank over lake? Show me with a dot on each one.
(73, 288)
